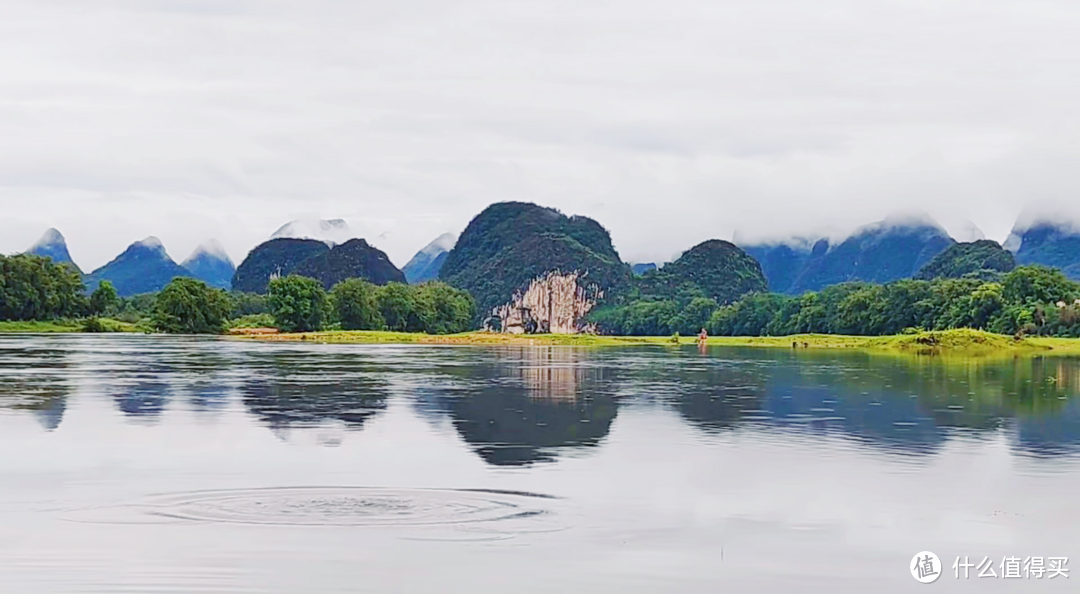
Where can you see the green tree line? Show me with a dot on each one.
(300, 304)
(1028, 300)
(34, 288)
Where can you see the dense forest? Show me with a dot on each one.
(982, 259)
(1027, 300)
(34, 288)
(300, 304)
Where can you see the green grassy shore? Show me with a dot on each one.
(55, 326)
(960, 341)
(971, 342)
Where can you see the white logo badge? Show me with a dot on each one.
(925, 567)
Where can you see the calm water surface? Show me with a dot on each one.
(150, 464)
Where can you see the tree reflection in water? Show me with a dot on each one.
(294, 391)
(36, 381)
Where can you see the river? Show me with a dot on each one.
(172, 464)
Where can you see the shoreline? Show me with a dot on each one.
(960, 341)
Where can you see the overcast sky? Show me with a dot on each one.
(669, 121)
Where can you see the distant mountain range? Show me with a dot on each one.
(509, 244)
(425, 265)
(211, 264)
(277, 257)
(1049, 244)
(332, 231)
(53, 245)
(314, 258)
(144, 267)
(886, 251)
(352, 259)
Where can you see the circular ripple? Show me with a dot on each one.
(344, 506)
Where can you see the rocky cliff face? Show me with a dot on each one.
(554, 303)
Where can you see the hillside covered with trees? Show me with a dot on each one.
(511, 243)
(984, 258)
(882, 252)
(313, 259)
(682, 295)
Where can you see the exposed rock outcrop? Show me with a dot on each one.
(554, 303)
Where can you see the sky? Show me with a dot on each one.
(669, 121)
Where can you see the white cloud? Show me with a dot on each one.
(671, 122)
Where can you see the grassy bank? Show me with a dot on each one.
(54, 326)
(467, 338)
(972, 342)
(961, 341)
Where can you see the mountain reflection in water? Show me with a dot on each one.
(187, 464)
(520, 405)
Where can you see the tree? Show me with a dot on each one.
(104, 299)
(986, 303)
(355, 305)
(695, 316)
(442, 309)
(398, 307)
(246, 304)
(34, 288)
(298, 303)
(1038, 284)
(190, 306)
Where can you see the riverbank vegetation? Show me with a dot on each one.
(1030, 308)
(38, 295)
(1028, 301)
(964, 342)
(300, 304)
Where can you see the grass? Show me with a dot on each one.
(960, 341)
(963, 341)
(47, 326)
(55, 326)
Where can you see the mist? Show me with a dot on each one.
(670, 123)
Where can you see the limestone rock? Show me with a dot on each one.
(554, 303)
